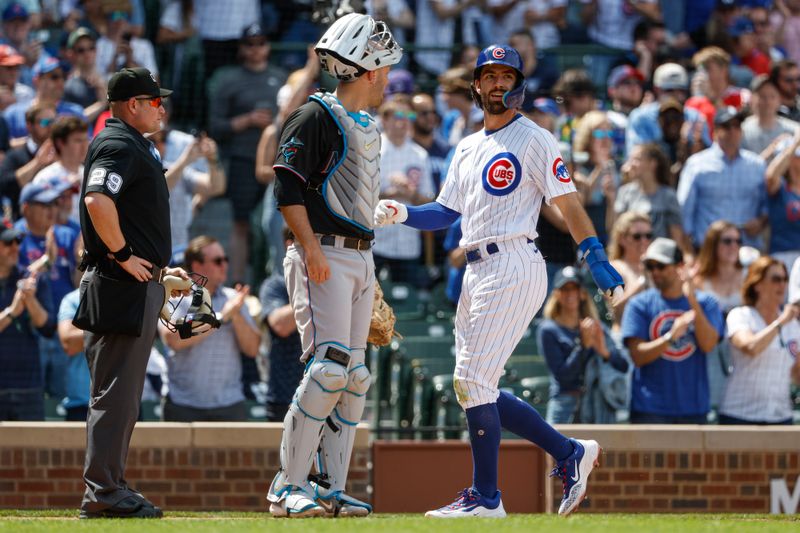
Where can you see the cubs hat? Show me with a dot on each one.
(45, 65)
(14, 11)
(566, 275)
(622, 73)
(671, 76)
(741, 26)
(400, 82)
(130, 82)
(664, 251)
(253, 31)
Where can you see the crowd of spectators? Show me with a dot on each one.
(677, 119)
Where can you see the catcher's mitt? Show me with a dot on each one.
(381, 327)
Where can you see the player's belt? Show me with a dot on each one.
(346, 242)
(473, 256)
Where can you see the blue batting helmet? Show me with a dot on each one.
(499, 54)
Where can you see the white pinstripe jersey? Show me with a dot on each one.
(498, 178)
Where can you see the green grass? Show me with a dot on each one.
(65, 521)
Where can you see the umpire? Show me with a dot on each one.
(124, 214)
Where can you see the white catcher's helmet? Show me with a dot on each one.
(355, 44)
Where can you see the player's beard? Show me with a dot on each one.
(492, 107)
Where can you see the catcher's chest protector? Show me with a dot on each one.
(352, 189)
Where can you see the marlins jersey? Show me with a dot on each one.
(498, 178)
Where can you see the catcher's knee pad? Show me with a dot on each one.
(359, 380)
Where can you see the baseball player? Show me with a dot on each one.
(496, 182)
(327, 187)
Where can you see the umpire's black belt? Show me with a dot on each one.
(346, 242)
(474, 255)
(155, 270)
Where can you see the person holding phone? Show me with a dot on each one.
(119, 48)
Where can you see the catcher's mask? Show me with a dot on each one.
(199, 317)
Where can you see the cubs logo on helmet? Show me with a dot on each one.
(560, 171)
(498, 53)
(679, 349)
(502, 174)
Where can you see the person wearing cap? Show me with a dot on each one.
(575, 91)
(461, 118)
(124, 212)
(539, 69)
(783, 201)
(724, 182)
(11, 90)
(401, 81)
(48, 79)
(119, 48)
(51, 250)
(26, 312)
(625, 89)
(17, 26)
(668, 330)
(569, 337)
(23, 163)
(786, 77)
(743, 34)
(670, 81)
(763, 130)
(543, 111)
(85, 86)
(242, 102)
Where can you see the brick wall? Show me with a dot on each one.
(177, 466)
(680, 469)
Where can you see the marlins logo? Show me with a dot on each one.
(502, 174)
(560, 171)
(679, 349)
(289, 149)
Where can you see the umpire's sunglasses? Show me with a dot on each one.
(155, 101)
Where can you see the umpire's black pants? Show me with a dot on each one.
(117, 365)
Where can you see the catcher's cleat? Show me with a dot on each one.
(294, 502)
(337, 503)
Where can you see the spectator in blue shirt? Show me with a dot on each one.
(569, 337)
(783, 204)
(26, 310)
(285, 368)
(78, 380)
(669, 329)
(724, 182)
(48, 80)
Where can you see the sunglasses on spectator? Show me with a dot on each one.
(54, 76)
(640, 236)
(776, 280)
(84, 49)
(650, 266)
(154, 101)
(219, 261)
(426, 112)
(253, 44)
(727, 241)
(602, 134)
(45, 122)
(404, 115)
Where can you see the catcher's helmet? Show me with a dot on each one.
(499, 54)
(355, 44)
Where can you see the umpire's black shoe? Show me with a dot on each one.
(130, 507)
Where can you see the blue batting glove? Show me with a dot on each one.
(605, 276)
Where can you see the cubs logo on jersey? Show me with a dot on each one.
(502, 174)
(560, 171)
(679, 349)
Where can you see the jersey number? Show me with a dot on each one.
(114, 182)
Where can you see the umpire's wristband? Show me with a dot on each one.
(123, 254)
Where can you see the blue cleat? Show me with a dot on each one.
(574, 473)
(470, 502)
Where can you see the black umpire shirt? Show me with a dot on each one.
(122, 165)
(310, 146)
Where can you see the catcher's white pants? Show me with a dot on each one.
(500, 296)
(330, 400)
